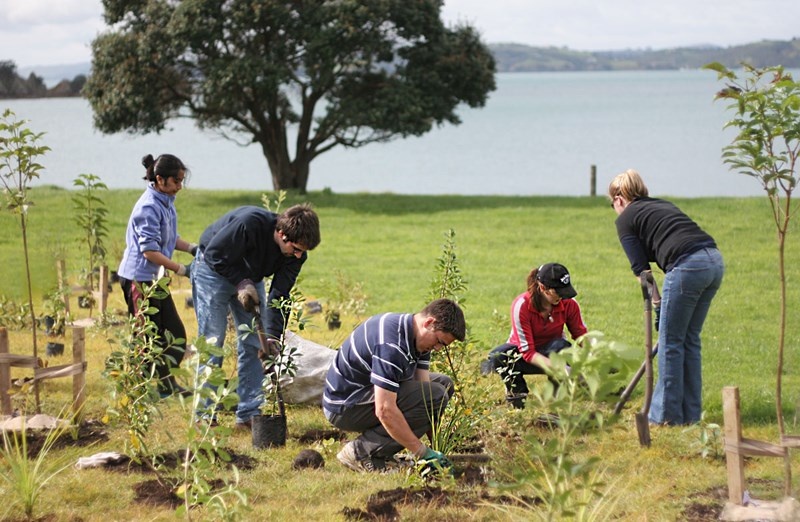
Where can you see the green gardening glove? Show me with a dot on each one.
(657, 309)
(435, 461)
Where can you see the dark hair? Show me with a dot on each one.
(448, 316)
(166, 166)
(534, 289)
(300, 225)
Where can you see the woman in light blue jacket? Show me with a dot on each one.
(151, 238)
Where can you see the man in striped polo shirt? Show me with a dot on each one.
(379, 384)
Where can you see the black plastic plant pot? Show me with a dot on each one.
(49, 323)
(54, 349)
(333, 321)
(268, 431)
(334, 325)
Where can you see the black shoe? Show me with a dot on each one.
(171, 388)
(487, 367)
(516, 400)
(547, 420)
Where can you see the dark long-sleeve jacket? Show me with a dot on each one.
(240, 245)
(655, 230)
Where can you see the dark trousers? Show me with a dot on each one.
(166, 319)
(507, 361)
(421, 402)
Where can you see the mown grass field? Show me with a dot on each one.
(390, 245)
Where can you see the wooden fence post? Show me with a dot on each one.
(738, 447)
(103, 289)
(593, 181)
(5, 375)
(77, 370)
(79, 379)
(733, 439)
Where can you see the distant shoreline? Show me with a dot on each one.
(513, 57)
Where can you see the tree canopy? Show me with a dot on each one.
(298, 77)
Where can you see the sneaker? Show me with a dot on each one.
(204, 421)
(547, 420)
(486, 367)
(347, 456)
(243, 425)
(516, 400)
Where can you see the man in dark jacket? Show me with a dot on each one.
(235, 254)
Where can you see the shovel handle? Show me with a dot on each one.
(648, 283)
(626, 393)
(649, 288)
(262, 341)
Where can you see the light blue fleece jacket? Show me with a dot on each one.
(153, 226)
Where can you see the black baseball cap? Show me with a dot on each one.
(555, 276)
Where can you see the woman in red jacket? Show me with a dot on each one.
(538, 317)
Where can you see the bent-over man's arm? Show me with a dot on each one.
(393, 420)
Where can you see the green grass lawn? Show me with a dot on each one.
(390, 245)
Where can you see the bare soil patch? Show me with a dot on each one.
(384, 506)
(89, 432)
(315, 435)
(174, 460)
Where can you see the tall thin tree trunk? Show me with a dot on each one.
(30, 307)
(781, 333)
(787, 463)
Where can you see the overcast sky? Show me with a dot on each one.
(51, 32)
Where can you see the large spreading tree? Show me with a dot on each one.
(323, 73)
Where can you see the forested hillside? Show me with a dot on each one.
(12, 85)
(511, 57)
(523, 58)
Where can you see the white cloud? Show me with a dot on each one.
(621, 24)
(27, 13)
(48, 32)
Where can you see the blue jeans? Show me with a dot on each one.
(214, 296)
(686, 297)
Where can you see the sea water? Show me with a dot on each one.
(539, 134)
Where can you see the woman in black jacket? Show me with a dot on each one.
(654, 230)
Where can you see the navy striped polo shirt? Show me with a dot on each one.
(382, 352)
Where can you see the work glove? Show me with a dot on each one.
(184, 270)
(434, 461)
(193, 249)
(248, 295)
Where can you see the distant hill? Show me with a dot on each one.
(68, 79)
(523, 58)
(53, 74)
(15, 84)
